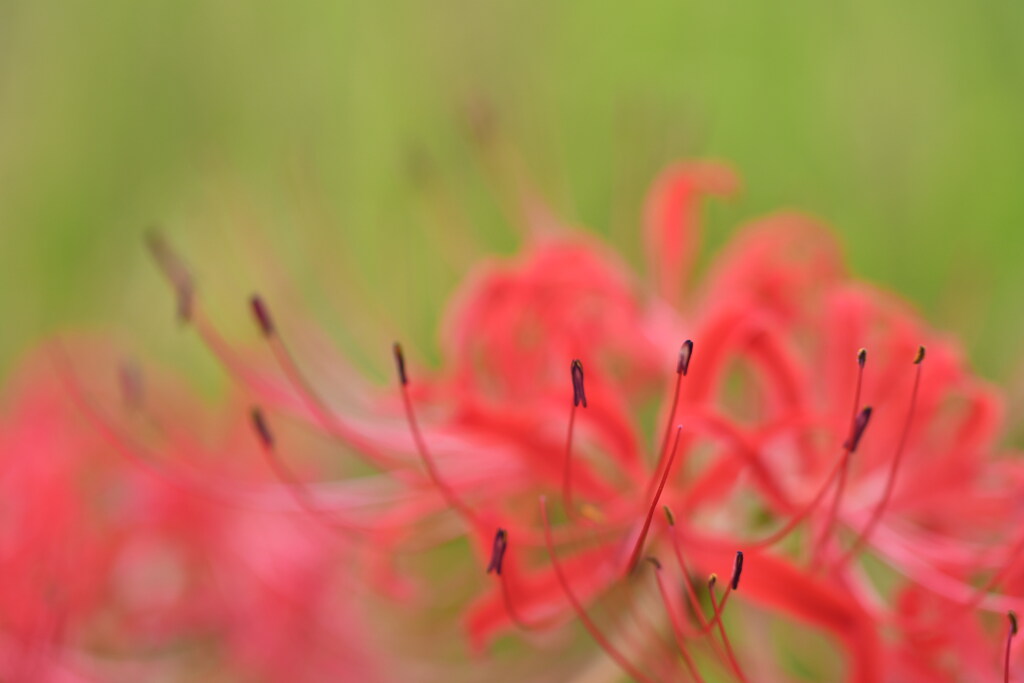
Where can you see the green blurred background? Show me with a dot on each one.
(341, 134)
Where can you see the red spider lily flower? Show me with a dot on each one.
(811, 423)
(125, 558)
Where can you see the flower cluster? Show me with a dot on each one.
(777, 460)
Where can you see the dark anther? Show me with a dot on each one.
(498, 552)
(259, 423)
(578, 395)
(737, 570)
(685, 353)
(859, 425)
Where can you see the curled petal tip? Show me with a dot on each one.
(654, 561)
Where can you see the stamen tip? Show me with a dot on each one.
(174, 270)
(668, 515)
(859, 425)
(262, 315)
(259, 423)
(685, 353)
(920, 355)
(396, 349)
(712, 580)
(579, 396)
(498, 551)
(862, 357)
(737, 570)
(1012, 616)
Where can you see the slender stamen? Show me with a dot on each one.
(121, 443)
(734, 584)
(733, 662)
(691, 591)
(635, 555)
(1011, 632)
(262, 315)
(802, 514)
(852, 440)
(305, 391)
(175, 271)
(890, 481)
(421, 445)
(584, 618)
(682, 367)
(297, 490)
(677, 627)
(579, 397)
(498, 550)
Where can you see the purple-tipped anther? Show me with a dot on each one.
(737, 570)
(859, 425)
(396, 349)
(175, 271)
(262, 315)
(259, 424)
(685, 353)
(579, 396)
(498, 552)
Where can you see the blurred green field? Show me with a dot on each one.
(336, 127)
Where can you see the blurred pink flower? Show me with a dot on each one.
(125, 559)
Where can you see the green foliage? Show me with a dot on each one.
(898, 123)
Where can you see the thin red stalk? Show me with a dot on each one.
(663, 451)
(691, 592)
(315, 403)
(297, 490)
(677, 628)
(725, 638)
(236, 368)
(567, 470)
(591, 627)
(890, 481)
(428, 460)
(716, 615)
(117, 441)
(1011, 631)
(639, 546)
(841, 485)
(796, 519)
